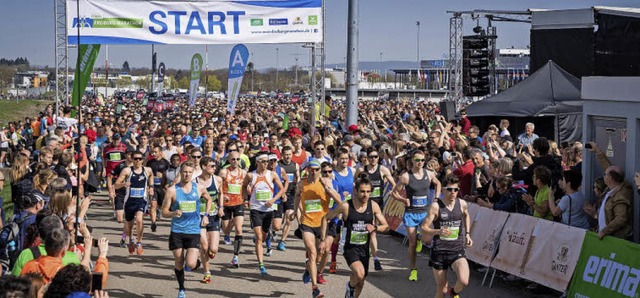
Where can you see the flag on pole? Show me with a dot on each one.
(84, 68)
(237, 65)
(161, 71)
(196, 68)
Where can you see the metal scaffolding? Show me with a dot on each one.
(455, 59)
(61, 52)
(318, 74)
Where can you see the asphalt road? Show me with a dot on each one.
(151, 274)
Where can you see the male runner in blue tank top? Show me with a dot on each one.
(450, 219)
(362, 218)
(416, 182)
(343, 175)
(182, 205)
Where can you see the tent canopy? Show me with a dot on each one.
(550, 91)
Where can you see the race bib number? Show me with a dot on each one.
(187, 206)
(263, 195)
(359, 238)
(347, 197)
(376, 192)
(331, 203)
(234, 189)
(455, 232)
(419, 201)
(203, 207)
(157, 181)
(290, 177)
(312, 206)
(136, 192)
(115, 156)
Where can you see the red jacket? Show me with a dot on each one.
(465, 174)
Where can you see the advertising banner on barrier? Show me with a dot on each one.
(473, 211)
(553, 253)
(196, 69)
(191, 22)
(514, 243)
(485, 234)
(84, 68)
(237, 65)
(606, 268)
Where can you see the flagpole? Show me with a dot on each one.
(206, 70)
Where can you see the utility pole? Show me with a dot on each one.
(277, 66)
(352, 63)
(418, 54)
(106, 73)
(380, 64)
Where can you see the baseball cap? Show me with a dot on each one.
(30, 199)
(273, 156)
(116, 136)
(352, 128)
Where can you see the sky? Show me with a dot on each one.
(386, 26)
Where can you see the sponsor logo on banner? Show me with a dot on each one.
(257, 22)
(313, 20)
(108, 23)
(278, 22)
(237, 65)
(606, 268)
(297, 21)
(196, 69)
(560, 263)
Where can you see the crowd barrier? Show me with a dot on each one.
(554, 255)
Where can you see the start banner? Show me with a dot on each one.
(206, 22)
(606, 268)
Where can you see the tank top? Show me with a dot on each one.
(355, 223)
(171, 174)
(212, 189)
(453, 220)
(138, 188)
(345, 183)
(189, 204)
(232, 187)
(300, 159)
(377, 184)
(290, 169)
(315, 203)
(418, 193)
(261, 192)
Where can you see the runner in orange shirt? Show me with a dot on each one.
(233, 196)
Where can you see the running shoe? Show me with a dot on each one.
(333, 268)
(154, 227)
(377, 265)
(198, 264)
(321, 279)
(234, 263)
(206, 279)
(419, 246)
(181, 294)
(306, 277)
(211, 254)
(227, 240)
(452, 295)
(316, 293)
(132, 247)
(268, 253)
(139, 249)
(350, 293)
(123, 242)
(414, 275)
(281, 246)
(274, 236)
(263, 271)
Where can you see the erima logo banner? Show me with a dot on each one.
(612, 275)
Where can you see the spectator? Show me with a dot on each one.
(504, 128)
(506, 197)
(528, 136)
(20, 171)
(15, 287)
(56, 245)
(32, 205)
(464, 122)
(37, 285)
(614, 216)
(591, 208)
(572, 203)
(541, 180)
(465, 173)
(536, 155)
(71, 278)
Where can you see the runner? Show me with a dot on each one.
(113, 155)
(343, 175)
(363, 218)
(139, 188)
(260, 185)
(416, 182)
(450, 219)
(209, 234)
(293, 176)
(120, 194)
(333, 228)
(378, 175)
(278, 207)
(159, 166)
(233, 196)
(181, 204)
(300, 155)
(312, 198)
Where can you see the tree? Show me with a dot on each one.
(124, 82)
(6, 75)
(213, 84)
(184, 82)
(144, 82)
(125, 67)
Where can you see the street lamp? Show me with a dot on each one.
(380, 64)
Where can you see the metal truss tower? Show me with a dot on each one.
(455, 59)
(61, 52)
(318, 74)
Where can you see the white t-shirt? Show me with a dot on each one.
(601, 220)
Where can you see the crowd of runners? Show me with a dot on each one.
(205, 170)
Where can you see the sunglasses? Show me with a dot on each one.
(327, 172)
(233, 150)
(419, 159)
(452, 189)
(235, 159)
(373, 156)
(319, 148)
(196, 156)
(169, 140)
(315, 169)
(138, 158)
(263, 161)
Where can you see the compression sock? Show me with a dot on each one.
(180, 277)
(268, 241)
(334, 251)
(236, 245)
